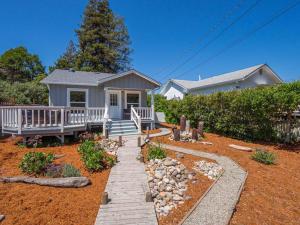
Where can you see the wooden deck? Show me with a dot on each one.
(126, 187)
(48, 120)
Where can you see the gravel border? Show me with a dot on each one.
(217, 205)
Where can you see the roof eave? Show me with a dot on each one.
(67, 83)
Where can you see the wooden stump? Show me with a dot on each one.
(182, 123)
(176, 134)
(200, 128)
(195, 134)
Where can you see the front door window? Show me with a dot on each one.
(113, 99)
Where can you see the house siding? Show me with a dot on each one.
(58, 95)
(130, 81)
(96, 94)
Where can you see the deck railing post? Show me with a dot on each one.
(62, 120)
(2, 118)
(19, 121)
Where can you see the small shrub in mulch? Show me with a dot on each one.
(64, 170)
(35, 162)
(68, 170)
(156, 152)
(94, 157)
(264, 157)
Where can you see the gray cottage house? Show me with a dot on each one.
(250, 77)
(77, 99)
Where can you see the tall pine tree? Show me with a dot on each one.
(67, 60)
(103, 40)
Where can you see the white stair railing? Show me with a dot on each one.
(136, 119)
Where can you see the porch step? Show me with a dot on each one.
(122, 127)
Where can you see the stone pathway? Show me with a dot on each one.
(217, 206)
(127, 186)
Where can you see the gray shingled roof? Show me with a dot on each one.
(219, 79)
(70, 77)
(75, 77)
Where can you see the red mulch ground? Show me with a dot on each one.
(272, 193)
(37, 205)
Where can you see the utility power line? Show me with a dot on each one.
(209, 31)
(244, 37)
(252, 6)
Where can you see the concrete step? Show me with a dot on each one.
(123, 133)
(123, 127)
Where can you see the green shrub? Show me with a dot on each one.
(69, 170)
(35, 162)
(156, 152)
(250, 114)
(94, 157)
(264, 157)
(86, 146)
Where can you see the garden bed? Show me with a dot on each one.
(33, 204)
(271, 194)
(194, 189)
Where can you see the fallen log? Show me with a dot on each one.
(54, 182)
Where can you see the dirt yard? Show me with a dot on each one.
(35, 205)
(272, 193)
(195, 191)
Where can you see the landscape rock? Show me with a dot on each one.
(209, 169)
(110, 146)
(167, 180)
(2, 217)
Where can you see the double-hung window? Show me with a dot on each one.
(132, 99)
(77, 97)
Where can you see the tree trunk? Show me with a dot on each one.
(176, 134)
(182, 123)
(200, 128)
(195, 134)
(54, 182)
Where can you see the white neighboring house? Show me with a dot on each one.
(254, 76)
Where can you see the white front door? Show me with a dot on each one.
(114, 104)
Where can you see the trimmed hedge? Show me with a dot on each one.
(251, 114)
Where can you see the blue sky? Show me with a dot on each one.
(165, 33)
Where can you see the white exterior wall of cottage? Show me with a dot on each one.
(255, 80)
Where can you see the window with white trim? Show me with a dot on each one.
(77, 98)
(133, 99)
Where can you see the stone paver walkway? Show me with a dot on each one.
(127, 186)
(217, 206)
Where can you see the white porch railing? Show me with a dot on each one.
(20, 117)
(146, 113)
(136, 119)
